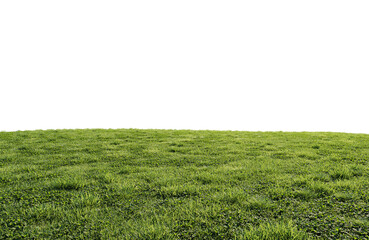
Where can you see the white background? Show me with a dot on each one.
(193, 64)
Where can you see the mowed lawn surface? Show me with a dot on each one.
(182, 184)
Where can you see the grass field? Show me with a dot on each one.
(181, 184)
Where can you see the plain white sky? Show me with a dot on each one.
(193, 64)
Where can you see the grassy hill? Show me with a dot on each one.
(181, 184)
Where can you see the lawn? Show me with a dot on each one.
(183, 184)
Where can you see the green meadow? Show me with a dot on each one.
(183, 184)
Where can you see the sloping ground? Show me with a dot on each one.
(176, 184)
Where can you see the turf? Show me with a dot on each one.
(182, 184)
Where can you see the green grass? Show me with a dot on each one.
(181, 184)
